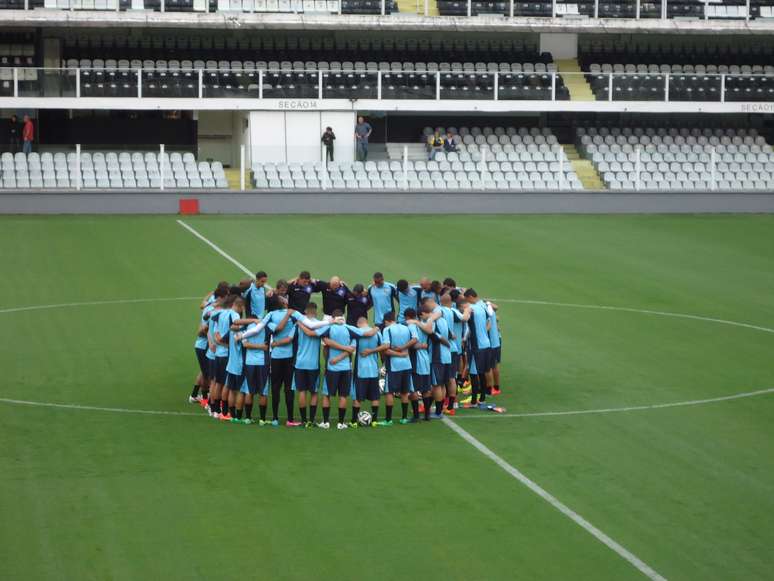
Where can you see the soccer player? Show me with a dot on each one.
(408, 298)
(278, 298)
(455, 320)
(235, 364)
(300, 290)
(420, 363)
(256, 294)
(256, 370)
(358, 304)
(383, 295)
(396, 342)
(334, 295)
(209, 338)
(200, 348)
(428, 289)
(338, 372)
(283, 330)
(495, 341)
(479, 346)
(366, 369)
(222, 326)
(306, 374)
(441, 370)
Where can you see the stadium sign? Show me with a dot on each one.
(298, 104)
(758, 108)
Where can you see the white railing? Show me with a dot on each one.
(205, 83)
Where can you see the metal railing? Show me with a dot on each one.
(635, 9)
(384, 85)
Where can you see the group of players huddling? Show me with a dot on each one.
(253, 340)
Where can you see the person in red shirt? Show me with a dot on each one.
(28, 134)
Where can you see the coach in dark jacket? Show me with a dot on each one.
(328, 138)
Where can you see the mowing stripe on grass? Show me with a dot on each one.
(216, 248)
(556, 503)
(634, 408)
(645, 569)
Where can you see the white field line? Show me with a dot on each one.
(216, 248)
(641, 311)
(89, 408)
(93, 304)
(623, 552)
(634, 408)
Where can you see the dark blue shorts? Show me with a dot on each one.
(399, 381)
(234, 382)
(456, 357)
(257, 377)
(211, 366)
(367, 389)
(483, 360)
(306, 379)
(204, 364)
(421, 382)
(338, 383)
(442, 373)
(495, 356)
(220, 369)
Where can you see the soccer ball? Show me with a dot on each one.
(364, 418)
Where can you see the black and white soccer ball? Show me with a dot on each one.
(364, 418)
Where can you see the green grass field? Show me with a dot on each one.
(689, 490)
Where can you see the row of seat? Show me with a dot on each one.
(653, 158)
(285, 66)
(109, 170)
(294, 48)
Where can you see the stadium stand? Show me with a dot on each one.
(109, 170)
(711, 71)
(487, 159)
(697, 9)
(679, 159)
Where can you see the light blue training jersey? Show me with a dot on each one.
(257, 299)
(272, 321)
(367, 367)
(308, 351)
(342, 336)
(201, 342)
(255, 356)
(477, 323)
(421, 356)
(225, 319)
(396, 335)
(383, 298)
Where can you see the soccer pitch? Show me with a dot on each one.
(650, 421)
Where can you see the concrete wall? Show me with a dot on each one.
(561, 46)
(285, 136)
(337, 202)
(215, 136)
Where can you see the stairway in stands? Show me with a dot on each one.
(587, 173)
(418, 7)
(579, 87)
(232, 177)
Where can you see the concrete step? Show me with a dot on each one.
(579, 88)
(232, 177)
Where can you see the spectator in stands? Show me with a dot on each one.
(14, 134)
(28, 134)
(449, 145)
(328, 138)
(362, 133)
(435, 144)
